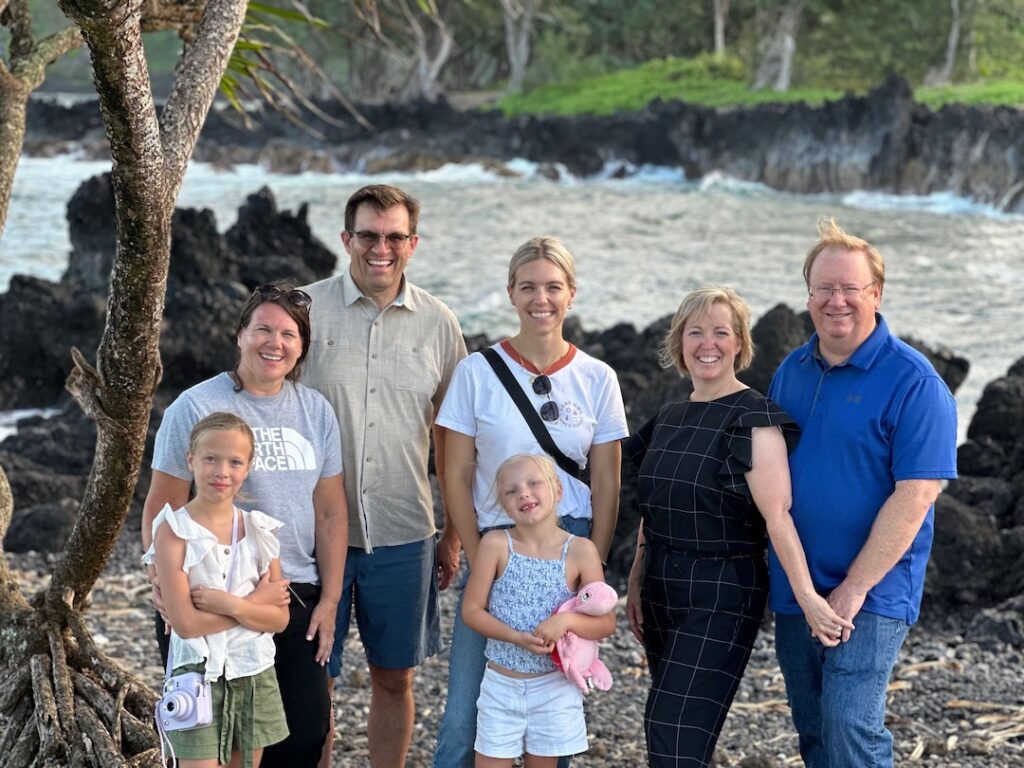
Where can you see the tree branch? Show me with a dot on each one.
(19, 22)
(32, 69)
(199, 73)
(158, 15)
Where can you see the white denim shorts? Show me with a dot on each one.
(539, 715)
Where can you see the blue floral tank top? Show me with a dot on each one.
(523, 596)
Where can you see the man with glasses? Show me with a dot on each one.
(878, 437)
(383, 352)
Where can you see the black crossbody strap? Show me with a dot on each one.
(533, 420)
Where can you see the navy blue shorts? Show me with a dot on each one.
(394, 594)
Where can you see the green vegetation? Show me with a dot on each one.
(708, 80)
(1007, 92)
(711, 81)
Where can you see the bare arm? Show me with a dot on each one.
(331, 547)
(258, 616)
(583, 559)
(460, 467)
(892, 533)
(634, 613)
(605, 481)
(488, 560)
(448, 545)
(770, 487)
(163, 489)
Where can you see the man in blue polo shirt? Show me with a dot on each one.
(878, 437)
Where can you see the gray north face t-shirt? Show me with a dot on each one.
(298, 441)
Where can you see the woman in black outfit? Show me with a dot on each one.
(714, 476)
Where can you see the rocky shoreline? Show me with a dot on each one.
(958, 695)
(882, 142)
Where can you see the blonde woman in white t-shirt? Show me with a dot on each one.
(217, 631)
(579, 401)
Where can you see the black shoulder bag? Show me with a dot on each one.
(533, 420)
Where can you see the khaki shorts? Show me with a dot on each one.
(262, 712)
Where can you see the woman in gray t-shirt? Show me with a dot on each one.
(296, 478)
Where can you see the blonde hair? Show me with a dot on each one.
(221, 421)
(543, 247)
(831, 235)
(699, 302)
(543, 463)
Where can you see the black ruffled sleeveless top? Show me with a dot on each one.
(692, 458)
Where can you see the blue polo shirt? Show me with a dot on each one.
(882, 416)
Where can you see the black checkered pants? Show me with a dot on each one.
(701, 617)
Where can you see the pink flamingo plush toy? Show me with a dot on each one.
(577, 656)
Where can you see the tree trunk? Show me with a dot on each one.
(944, 74)
(777, 47)
(13, 107)
(518, 18)
(432, 49)
(721, 11)
(66, 703)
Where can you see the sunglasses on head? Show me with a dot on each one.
(542, 386)
(294, 296)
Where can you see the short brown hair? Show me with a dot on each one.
(382, 197)
(831, 235)
(699, 302)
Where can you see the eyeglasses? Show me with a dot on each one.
(368, 238)
(824, 292)
(294, 296)
(542, 386)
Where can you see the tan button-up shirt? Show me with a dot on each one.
(386, 373)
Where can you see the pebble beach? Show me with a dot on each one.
(951, 703)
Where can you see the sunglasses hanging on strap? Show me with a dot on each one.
(533, 419)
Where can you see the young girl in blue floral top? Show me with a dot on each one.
(520, 576)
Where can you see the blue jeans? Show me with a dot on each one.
(466, 663)
(838, 694)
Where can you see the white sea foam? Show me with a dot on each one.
(937, 202)
(9, 419)
(642, 242)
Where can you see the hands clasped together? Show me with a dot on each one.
(544, 636)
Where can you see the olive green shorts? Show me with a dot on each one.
(247, 715)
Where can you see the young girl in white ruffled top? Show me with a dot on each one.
(225, 634)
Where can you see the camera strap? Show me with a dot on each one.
(168, 669)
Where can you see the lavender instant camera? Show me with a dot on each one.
(186, 703)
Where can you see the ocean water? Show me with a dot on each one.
(955, 270)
